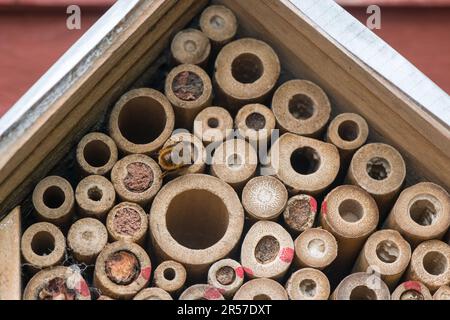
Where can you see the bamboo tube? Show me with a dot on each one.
(351, 215)
(430, 264)
(86, 239)
(122, 270)
(421, 212)
(361, 286)
(191, 46)
(246, 71)
(301, 107)
(201, 292)
(170, 276)
(348, 132)
(141, 121)
(255, 123)
(95, 196)
(267, 251)
(303, 164)
(106, 298)
(227, 276)
(235, 162)
(387, 253)
(59, 283)
(127, 221)
(196, 220)
(380, 170)
(137, 178)
(219, 24)
(96, 154)
(213, 125)
(152, 294)
(443, 293)
(54, 200)
(264, 198)
(10, 264)
(411, 290)
(261, 289)
(300, 213)
(315, 248)
(43, 245)
(187, 153)
(308, 284)
(189, 90)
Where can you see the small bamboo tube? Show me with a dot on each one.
(430, 264)
(96, 154)
(43, 245)
(122, 270)
(189, 90)
(411, 290)
(153, 294)
(267, 251)
(95, 196)
(255, 123)
(54, 200)
(300, 213)
(308, 284)
(170, 276)
(191, 46)
(127, 221)
(361, 286)
(213, 125)
(387, 253)
(227, 276)
(86, 239)
(315, 248)
(261, 289)
(443, 293)
(201, 292)
(264, 198)
(301, 107)
(219, 24)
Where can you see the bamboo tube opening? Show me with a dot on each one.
(225, 275)
(43, 243)
(197, 219)
(316, 248)
(142, 120)
(363, 293)
(169, 274)
(255, 121)
(348, 130)
(97, 153)
(247, 68)
(308, 287)
(308, 284)
(387, 251)
(411, 295)
(261, 297)
(301, 107)
(122, 267)
(54, 197)
(213, 123)
(435, 263)
(95, 193)
(423, 212)
(305, 160)
(351, 210)
(378, 168)
(267, 249)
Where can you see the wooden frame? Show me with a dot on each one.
(315, 39)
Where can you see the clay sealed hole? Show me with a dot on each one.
(423, 212)
(301, 107)
(255, 121)
(122, 267)
(247, 68)
(387, 251)
(378, 168)
(187, 86)
(96, 153)
(213, 123)
(348, 130)
(169, 274)
(142, 120)
(411, 295)
(299, 214)
(308, 288)
(139, 177)
(56, 289)
(54, 197)
(127, 221)
(435, 263)
(197, 219)
(267, 249)
(316, 248)
(217, 22)
(305, 160)
(234, 161)
(363, 293)
(95, 193)
(261, 297)
(43, 243)
(351, 210)
(190, 46)
(225, 275)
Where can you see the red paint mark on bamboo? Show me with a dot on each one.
(83, 289)
(313, 204)
(412, 285)
(212, 294)
(324, 208)
(248, 271)
(145, 273)
(287, 254)
(239, 272)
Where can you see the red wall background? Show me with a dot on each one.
(33, 35)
